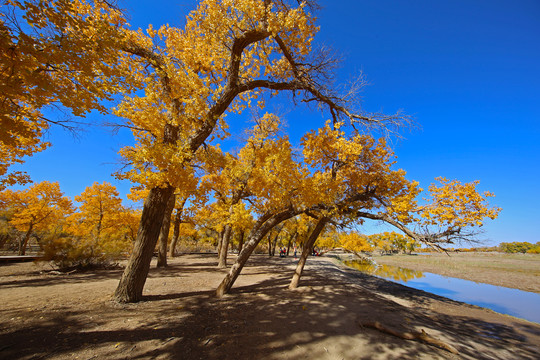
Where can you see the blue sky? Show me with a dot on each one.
(467, 71)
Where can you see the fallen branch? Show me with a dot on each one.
(419, 336)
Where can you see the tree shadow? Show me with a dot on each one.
(259, 319)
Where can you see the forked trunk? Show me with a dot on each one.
(261, 228)
(133, 279)
(224, 246)
(164, 233)
(306, 250)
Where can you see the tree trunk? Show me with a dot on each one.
(290, 242)
(224, 246)
(269, 245)
(261, 228)
(176, 227)
(133, 279)
(220, 243)
(24, 242)
(164, 233)
(241, 241)
(306, 250)
(176, 232)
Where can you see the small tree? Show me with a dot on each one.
(35, 208)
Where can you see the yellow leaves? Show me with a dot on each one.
(457, 205)
(38, 207)
(68, 56)
(354, 241)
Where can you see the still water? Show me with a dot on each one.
(522, 304)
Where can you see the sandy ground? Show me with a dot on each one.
(70, 316)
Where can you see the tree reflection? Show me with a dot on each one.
(385, 271)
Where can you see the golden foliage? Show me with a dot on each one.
(54, 52)
(37, 207)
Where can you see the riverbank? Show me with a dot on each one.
(52, 316)
(517, 271)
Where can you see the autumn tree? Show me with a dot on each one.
(35, 208)
(99, 231)
(222, 61)
(229, 177)
(98, 214)
(350, 178)
(354, 242)
(54, 54)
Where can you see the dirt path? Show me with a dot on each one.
(46, 316)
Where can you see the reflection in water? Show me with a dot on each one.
(386, 271)
(513, 302)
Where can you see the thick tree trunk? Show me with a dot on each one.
(24, 242)
(224, 246)
(164, 233)
(306, 250)
(261, 228)
(133, 279)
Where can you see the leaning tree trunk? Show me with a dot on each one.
(164, 233)
(132, 282)
(306, 250)
(261, 228)
(24, 242)
(224, 248)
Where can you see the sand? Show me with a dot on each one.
(45, 315)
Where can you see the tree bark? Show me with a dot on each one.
(290, 241)
(24, 242)
(176, 227)
(241, 241)
(269, 245)
(164, 233)
(220, 242)
(306, 250)
(176, 232)
(222, 263)
(261, 228)
(133, 279)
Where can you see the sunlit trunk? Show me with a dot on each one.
(224, 246)
(133, 279)
(259, 231)
(176, 233)
(306, 250)
(164, 233)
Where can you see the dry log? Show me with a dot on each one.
(410, 335)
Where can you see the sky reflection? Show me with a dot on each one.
(513, 302)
